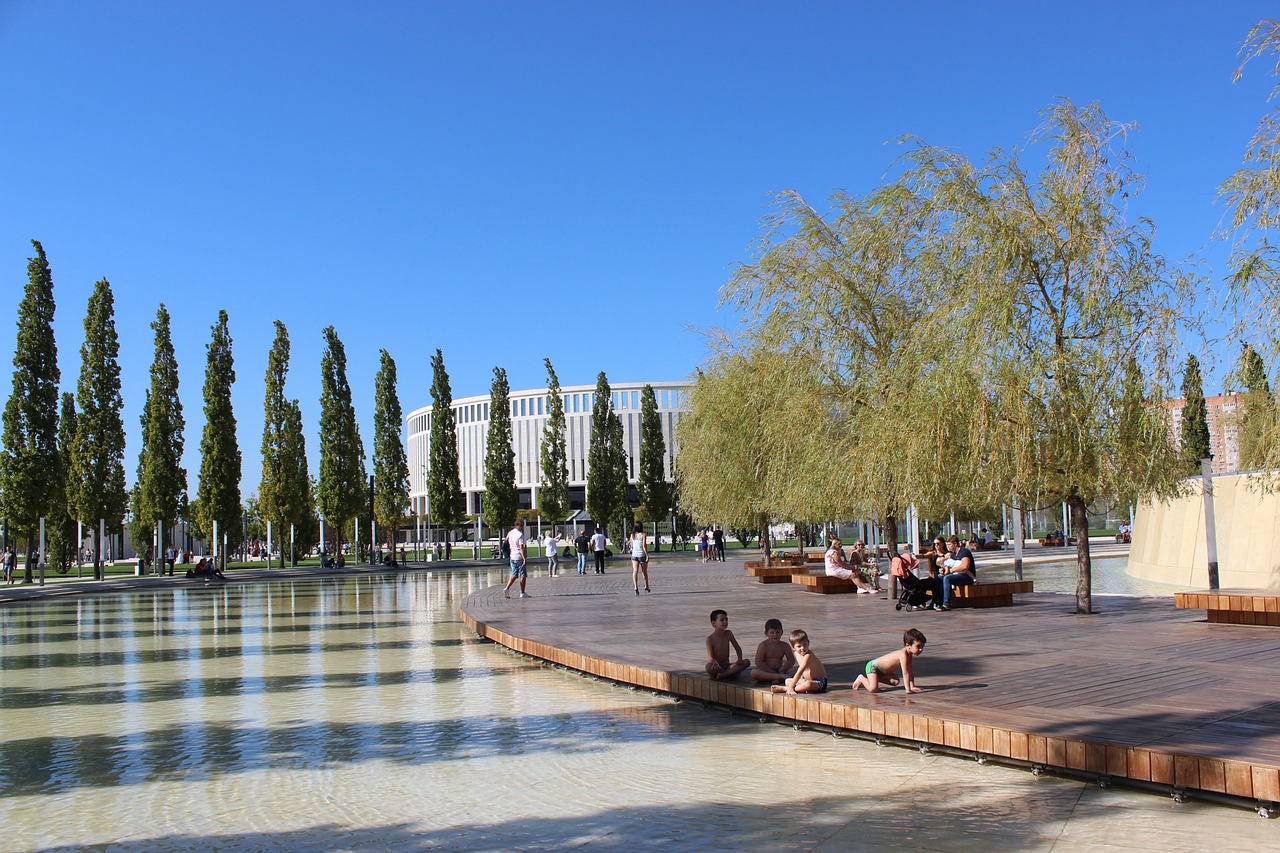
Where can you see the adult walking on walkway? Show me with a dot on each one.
(519, 560)
(639, 558)
(583, 546)
(597, 547)
(717, 537)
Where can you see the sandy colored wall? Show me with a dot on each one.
(1169, 540)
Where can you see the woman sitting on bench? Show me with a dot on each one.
(836, 567)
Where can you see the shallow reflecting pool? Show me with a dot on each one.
(359, 713)
(1109, 578)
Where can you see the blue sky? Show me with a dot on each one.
(508, 181)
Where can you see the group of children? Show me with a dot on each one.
(795, 668)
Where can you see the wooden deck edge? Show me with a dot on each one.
(1246, 780)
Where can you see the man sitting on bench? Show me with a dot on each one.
(957, 570)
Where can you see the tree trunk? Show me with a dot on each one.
(890, 529)
(801, 533)
(97, 556)
(768, 545)
(27, 576)
(1084, 575)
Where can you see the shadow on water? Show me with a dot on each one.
(915, 819)
(202, 749)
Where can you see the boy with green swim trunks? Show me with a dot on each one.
(883, 667)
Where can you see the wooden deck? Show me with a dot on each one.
(1139, 690)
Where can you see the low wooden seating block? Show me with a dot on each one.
(770, 574)
(824, 584)
(998, 594)
(1234, 606)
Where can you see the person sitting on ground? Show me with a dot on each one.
(811, 675)
(958, 570)
(836, 567)
(883, 667)
(718, 643)
(774, 661)
(906, 564)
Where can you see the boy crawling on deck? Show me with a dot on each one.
(882, 668)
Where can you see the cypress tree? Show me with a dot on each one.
(30, 422)
(500, 497)
(162, 479)
(274, 493)
(1195, 419)
(218, 496)
(444, 485)
(553, 498)
(655, 493)
(1258, 416)
(342, 471)
(298, 507)
(61, 525)
(606, 461)
(97, 480)
(390, 466)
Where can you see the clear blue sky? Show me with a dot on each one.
(508, 181)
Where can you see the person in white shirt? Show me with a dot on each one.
(552, 543)
(519, 555)
(597, 548)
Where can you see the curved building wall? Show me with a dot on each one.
(529, 413)
(1169, 538)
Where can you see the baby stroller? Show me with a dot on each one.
(913, 593)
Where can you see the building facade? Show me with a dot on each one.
(1223, 416)
(529, 413)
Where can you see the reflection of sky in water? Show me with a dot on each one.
(1109, 578)
(340, 713)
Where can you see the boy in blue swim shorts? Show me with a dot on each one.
(811, 675)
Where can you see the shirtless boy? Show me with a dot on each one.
(811, 675)
(774, 661)
(882, 668)
(718, 666)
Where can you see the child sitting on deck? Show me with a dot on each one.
(774, 661)
(718, 643)
(811, 675)
(883, 667)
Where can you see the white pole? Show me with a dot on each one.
(215, 541)
(1017, 539)
(291, 550)
(102, 543)
(952, 531)
(355, 546)
(373, 533)
(43, 558)
(1210, 523)
(1066, 529)
(79, 547)
(323, 541)
(269, 541)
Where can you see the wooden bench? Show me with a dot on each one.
(1234, 606)
(998, 594)
(770, 574)
(823, 583)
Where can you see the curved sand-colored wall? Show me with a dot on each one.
(1169, 540)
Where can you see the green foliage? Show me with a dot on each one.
(285, 493)
(553, 497)
(446, 502)
(218, 495)
(390, 466)
(500, 497)
(607, 464)
(97, 482)
(30, 422)
(161, 478)
(61, 524)
(1257, 420)
(1195, 419)
(343, 481)
(655, 492)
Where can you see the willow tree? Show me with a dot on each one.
(390, 467)
(342, 472)
(841, 297)
(1056, 289)
(218, 494)
(29, 451)
(553, 496)
(97, 480)
(501, 500)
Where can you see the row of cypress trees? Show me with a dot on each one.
(63, 459)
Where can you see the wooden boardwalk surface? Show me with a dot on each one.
(1138, 690)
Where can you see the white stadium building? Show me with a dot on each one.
(529, 413)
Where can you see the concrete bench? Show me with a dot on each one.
(1234, 606)
(824, 584)
(997, 594)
